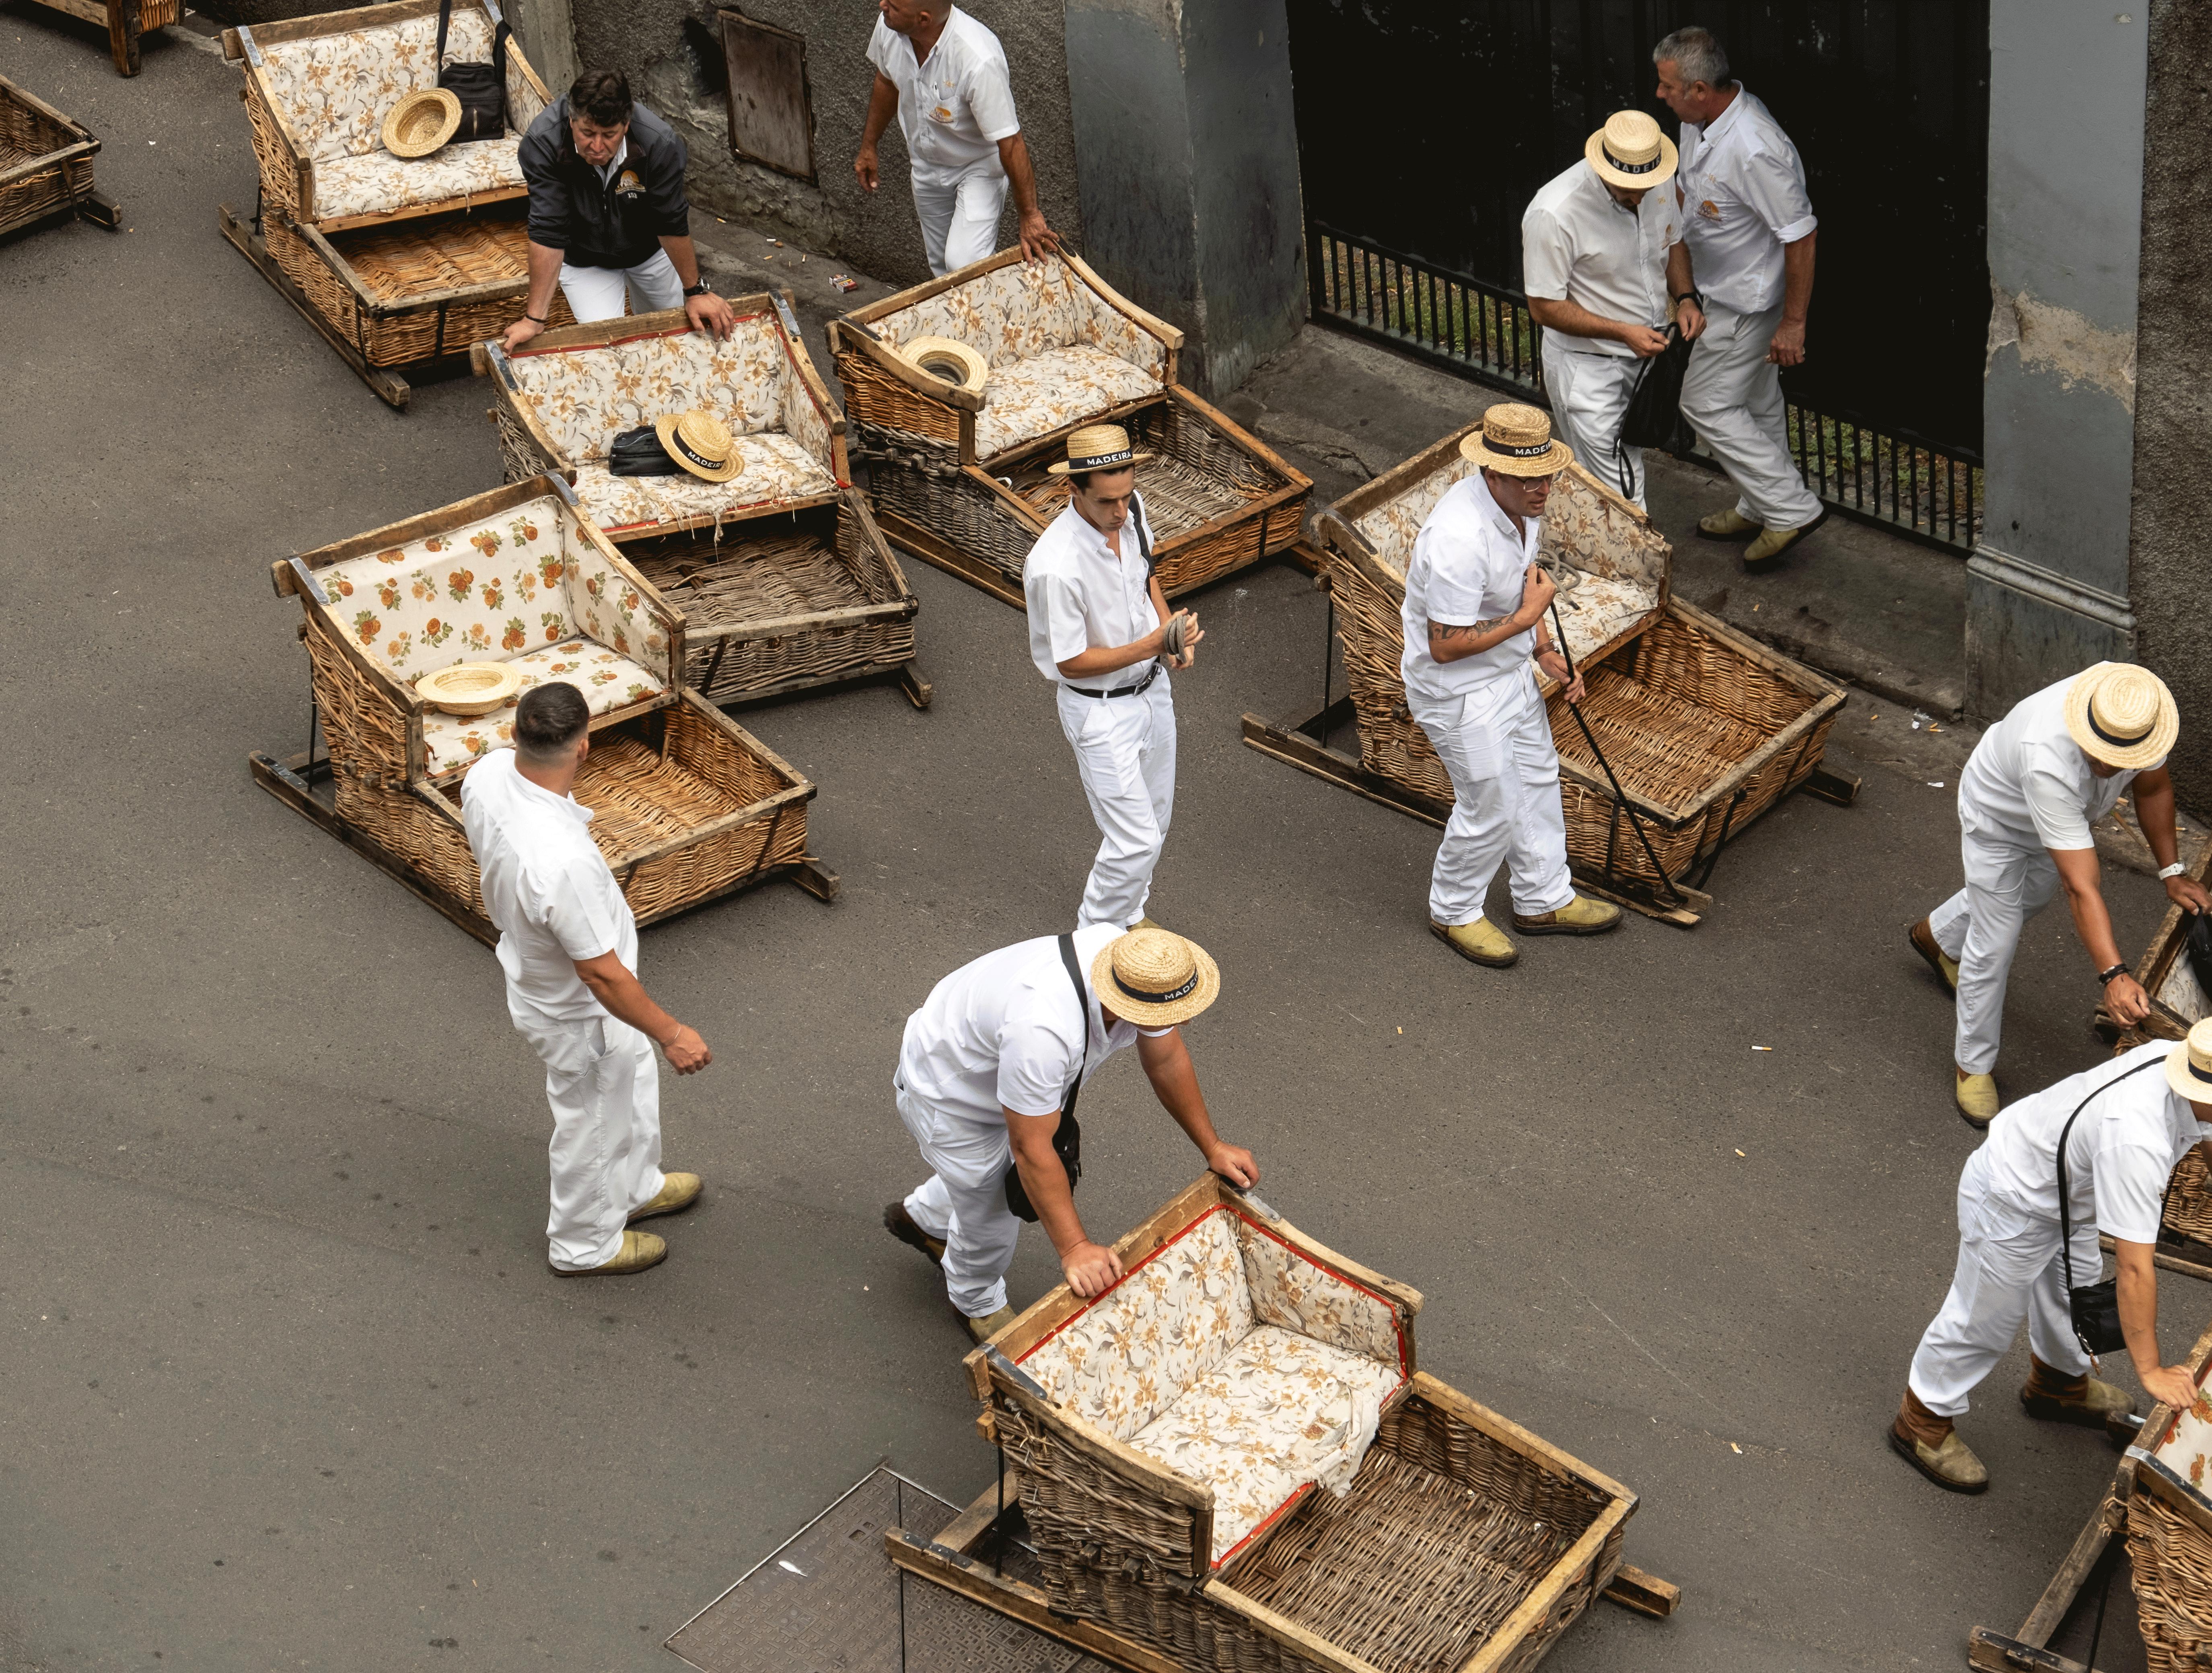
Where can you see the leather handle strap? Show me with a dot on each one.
(445, 22)
(2065, 1214)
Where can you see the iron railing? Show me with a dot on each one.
(1876, 473)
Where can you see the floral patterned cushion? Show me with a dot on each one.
(608, 681)
(1280, 1411)
(1289, 1290)
(333, 92)
(1023, 309)
(777, 469)
(583, 397)
(1028, 398)
(379, 183)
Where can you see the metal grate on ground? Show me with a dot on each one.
(829, 1600)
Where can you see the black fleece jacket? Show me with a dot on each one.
(605, 223)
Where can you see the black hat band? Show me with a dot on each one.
(1169, 997)
(1629, 167)
(1516, 450)
(2089, 713)
(1100, 461)
(690, 453)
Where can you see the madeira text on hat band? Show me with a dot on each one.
(1167, 998)
(1100, 461)
(2116, 739)
(694, 455)
(1629, 167)
(1517, 450)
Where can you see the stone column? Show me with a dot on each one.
(1186, 158)
(548, 38)
(2047, 586)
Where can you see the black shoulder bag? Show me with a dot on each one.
(481, 87)
(1067, 1137)
(1654, 418)
(639, 453)
(2095, 1308)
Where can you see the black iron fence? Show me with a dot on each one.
(1879, 474)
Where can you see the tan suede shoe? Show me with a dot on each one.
(1766, 551)
(1481, 941)
(1977, 1097)
(1952, 1466)
(1581, 916)
(678, 1191)
(1730, 524)
(984, 1329)
(1922, 942)
(1147, 922)
(2098, 1406)
(639, 1250)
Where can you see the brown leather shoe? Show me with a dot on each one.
(1952, 1466)
(2089, 1402)
(639, 1250)
(901, 1224)
(1922, 942)
(678, 1191)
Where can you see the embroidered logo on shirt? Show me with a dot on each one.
(629, 184)
(942, 113)
(1710, 209)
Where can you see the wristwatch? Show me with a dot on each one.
(2174, 871)
(1690, 296)
(699, 290)
(2104, 978)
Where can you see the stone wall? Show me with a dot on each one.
(672, 50)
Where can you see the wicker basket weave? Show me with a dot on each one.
(33, 132)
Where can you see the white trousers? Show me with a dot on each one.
(1979, 926)
(596, 293)
(1125, 750)
(1496, 742)
(964, 1202)
(960, 216)
(1589, 397)
(602, 1082)
(1733, 395)
(2008, 1268)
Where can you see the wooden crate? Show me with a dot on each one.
(690, 806)
(125, 20)
(1463, 1539)
(1218, 499)
(46, 164)
(1705, 728)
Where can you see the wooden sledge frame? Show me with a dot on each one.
(2028, 1650)
(124, 21)
(93, 205)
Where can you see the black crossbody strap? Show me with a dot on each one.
(2065, 1217)
(445, 22)
(1082, 1005)
(1144, 534)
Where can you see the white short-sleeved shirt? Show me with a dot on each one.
(1742, 198)
(1082, 597)
(2028, 782)
(1469, 567)
(956, 108)
(1581, 244)
(2121, 1154)
(1004, 1032)
(547, 888)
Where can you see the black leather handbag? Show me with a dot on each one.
(2094, 1308)
(1067, 1137)
(481, 87)
(639, 453)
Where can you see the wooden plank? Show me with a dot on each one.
(932, 548)
(919, 691)
(391, 388)
(1993, 1653)
(462, 205)
(1298, 1640)
(816, 879)
(67, 153)
(2107, 1519)
(905, 371)
(1839, 788)
(101, 210)
(476, 508)
(849, 615)
(1018, 1602)
(771, 118)
(624, 533)
(1307, 556)
(921, 293)
(126, 27)
(966, 1531)
(339, 24)
(1505, 1643)
(1646, 1594)
(767, 808)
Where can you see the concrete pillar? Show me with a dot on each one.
(548, 38)
(1186, 159)
(2048, 587)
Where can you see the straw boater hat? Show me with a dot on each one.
(2188, 1065)
(701, 443)
(1098, 448)
(2122, 714)
(470, 688)
(1631, 151)
(942, 357)
(422, 122)
(1516, 441)
(1155, 979)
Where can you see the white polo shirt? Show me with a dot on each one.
(956, 108)
(2121, 1154)
(1468, 567)
(1005, 1033)
(1082, 597)
(1742, 198)
(2029, 784)
(1580, 244)
(547, 888)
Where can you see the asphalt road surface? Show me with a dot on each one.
(285, 1381)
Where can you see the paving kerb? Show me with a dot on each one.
(288, 1384)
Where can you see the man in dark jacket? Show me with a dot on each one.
(608, 211)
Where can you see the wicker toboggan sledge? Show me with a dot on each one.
(1230, 1463)
(46, 164)
(1705, 728)
(689, 806)
(126, 22)
(400, 264)
(958, 476)
(785, 581)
